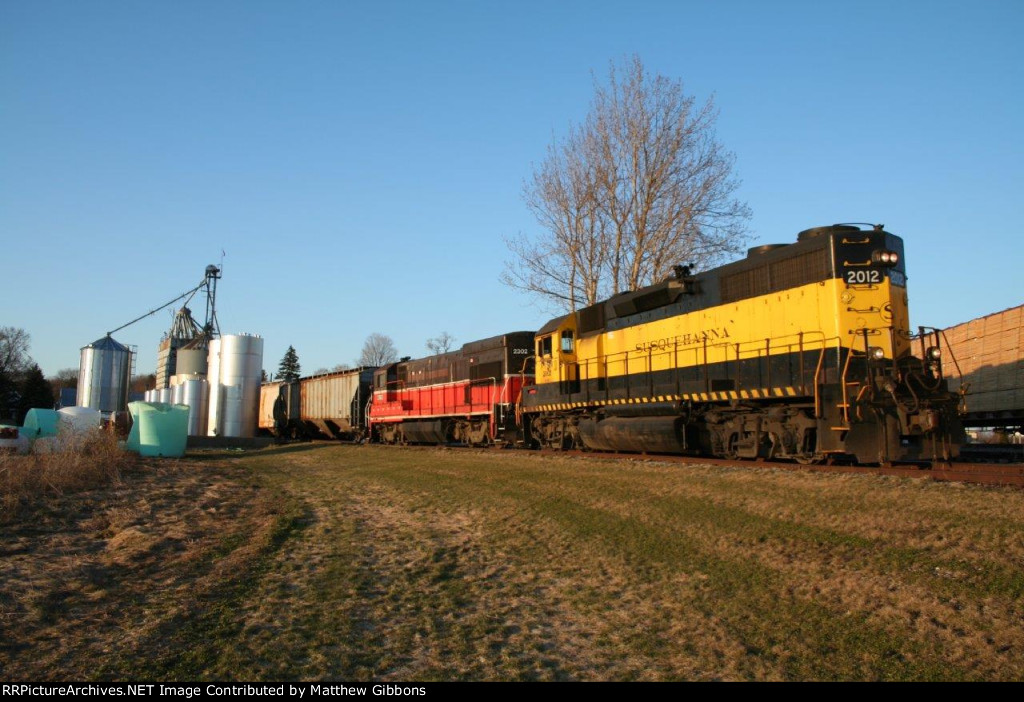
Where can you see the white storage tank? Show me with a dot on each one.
(196, 394)
(78, 419)
(104, 375)
(192, 361)
(240, 374)
(213, 421)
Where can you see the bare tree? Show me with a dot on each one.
(378, 350)
(66, 378)
(336, 368)
(14, 358)
(442, 343)
(642, 185)
(139, 383)
(14, 364)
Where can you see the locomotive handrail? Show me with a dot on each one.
(846, 368)
(522, 384)
(817, 383)
(963, 387)
(728, 352)
(495, 405)
(941, 333)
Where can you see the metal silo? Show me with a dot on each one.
(240, 374)
(192, 361)
(213, 421)
(196, 394)
(104, 375)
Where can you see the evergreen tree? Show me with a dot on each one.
(36, 391)
(289, 369)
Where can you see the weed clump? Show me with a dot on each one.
(71, 462)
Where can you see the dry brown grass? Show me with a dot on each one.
(359, 563)
(74, 462)
(98, 584)
(440, 564)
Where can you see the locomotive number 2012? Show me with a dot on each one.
(863, 277)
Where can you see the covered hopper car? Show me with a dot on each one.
(330, 406)
(988, 352)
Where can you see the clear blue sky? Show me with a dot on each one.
(361, 162)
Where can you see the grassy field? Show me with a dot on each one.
(358, 562)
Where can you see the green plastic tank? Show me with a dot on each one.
(158, 429)
(40, 423)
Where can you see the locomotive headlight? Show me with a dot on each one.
(876, 353)
(934, 353)
(885, 257)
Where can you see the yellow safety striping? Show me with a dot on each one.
(719, 396)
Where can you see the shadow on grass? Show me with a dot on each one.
(221, 454)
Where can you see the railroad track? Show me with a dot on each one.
(977, 473)
(963, 472)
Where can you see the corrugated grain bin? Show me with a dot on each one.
(158, 429)
(103, 375)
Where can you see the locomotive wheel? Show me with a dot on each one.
(731, 450)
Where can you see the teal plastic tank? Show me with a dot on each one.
(40, 423)
(158, 429)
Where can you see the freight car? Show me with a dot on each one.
(465, 396)
(989, 354)
(800, 351)
(330, 405)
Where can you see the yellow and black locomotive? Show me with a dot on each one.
(800, 351)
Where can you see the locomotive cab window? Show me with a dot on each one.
(544, 346)
(567, 346)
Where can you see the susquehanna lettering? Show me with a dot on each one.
(688, 339)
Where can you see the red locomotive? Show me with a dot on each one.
(466, 396)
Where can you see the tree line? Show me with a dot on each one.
(378, 350)
(22, 383)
